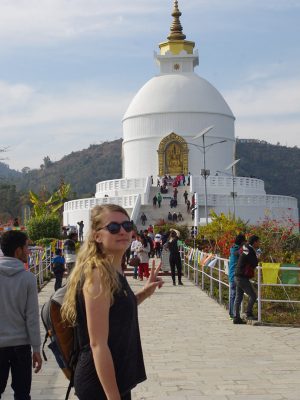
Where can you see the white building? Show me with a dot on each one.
(159, 130)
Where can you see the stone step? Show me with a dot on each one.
(167, 196)
(155, 214)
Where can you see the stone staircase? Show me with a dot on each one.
(155, 214)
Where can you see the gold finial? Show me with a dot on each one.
(176, 28)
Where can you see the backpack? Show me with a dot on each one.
(63, 339)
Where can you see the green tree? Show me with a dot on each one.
(53, 204)
(47, 162)
(9, 201)
(3, 150)
(25, 170)
(44, 226)
(46, 219)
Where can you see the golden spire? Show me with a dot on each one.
(176, 40)
(176, 28)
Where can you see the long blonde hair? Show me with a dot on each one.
(91, 256)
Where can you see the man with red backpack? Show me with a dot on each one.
(245, 268)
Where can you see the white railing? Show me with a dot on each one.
(147, 190)
(281, 201)
(260, 285)
(39, 262)
(126, 201)
(192, 267)
(136, 209)
(224, 184)
(216, 271)
(217, 200)
(113, 187)
(129, 200)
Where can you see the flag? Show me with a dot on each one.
(270, 272)
(288, 276)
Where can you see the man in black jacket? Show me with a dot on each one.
(244, 272)
(174, 258)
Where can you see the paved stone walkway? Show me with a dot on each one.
(193, 351)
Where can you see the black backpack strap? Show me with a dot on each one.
(43, 351)
(73, 360)
(71, 384)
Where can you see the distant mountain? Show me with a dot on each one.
(7, 173)
(82, 169)
(278, 166)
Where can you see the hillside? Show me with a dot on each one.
(278, 166)
(7, 173)
(82, 169)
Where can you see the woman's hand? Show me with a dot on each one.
(153, 281)
(152, 284)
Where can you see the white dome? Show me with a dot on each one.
(177, 93)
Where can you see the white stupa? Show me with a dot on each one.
(161, 137)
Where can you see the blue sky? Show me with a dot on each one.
(69, 68)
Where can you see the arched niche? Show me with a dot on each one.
(173, 155)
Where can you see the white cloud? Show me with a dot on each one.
(37, 21)
(34, 123)
(79, 102)
(268, 110)
(29, 28)
(286, 132)
(14, 95)
(40, 21)
(72, 117)
(277, 98)
(237, 4)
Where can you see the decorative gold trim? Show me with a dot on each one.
(162, 153)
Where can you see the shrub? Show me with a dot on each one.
(45, 242)
(44, 226)
(221, 232)
(278, 243)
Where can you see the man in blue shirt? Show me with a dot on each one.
(235, 250)
(58, 268)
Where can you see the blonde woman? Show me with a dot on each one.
(101, 303)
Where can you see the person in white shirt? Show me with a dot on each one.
(135, 245)
(143, 251)
(70, 251)
(158, 244)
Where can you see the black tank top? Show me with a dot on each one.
(123, 338)
(173, 248)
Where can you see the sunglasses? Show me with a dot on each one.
(115, 227)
